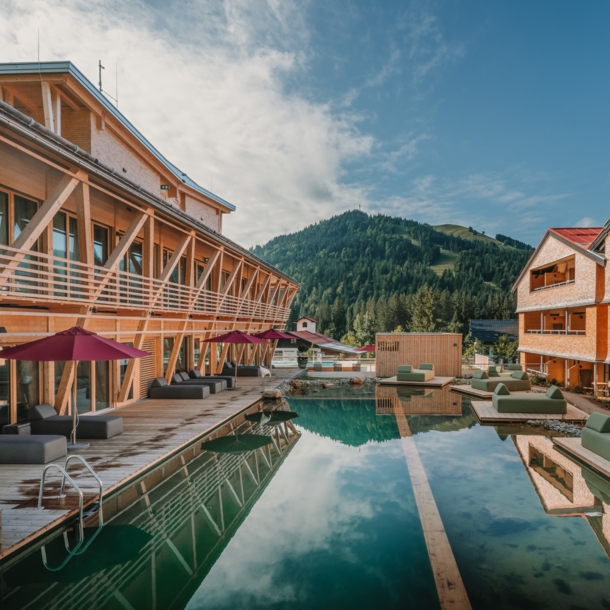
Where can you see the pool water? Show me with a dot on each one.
(326, 517)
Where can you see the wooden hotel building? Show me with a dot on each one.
(563, 294)
(99, 230)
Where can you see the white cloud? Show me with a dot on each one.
(587, 221)
(208, 89)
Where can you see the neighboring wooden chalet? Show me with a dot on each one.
(98, 229)
(562, 301)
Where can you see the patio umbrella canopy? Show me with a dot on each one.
(366, 348)
(272, 334)
(237, 337)
(75, 344)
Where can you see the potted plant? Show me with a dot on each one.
(302, 356)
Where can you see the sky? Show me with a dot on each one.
(485, 114)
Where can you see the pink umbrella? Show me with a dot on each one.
(366, 348)
(75, 344)
(237, 337)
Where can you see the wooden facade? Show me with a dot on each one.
(562, 302)
(444, 350)
(99, 230)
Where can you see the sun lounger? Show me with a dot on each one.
(161, 389)
(514, 367)
(552, 402)
(230, 379)
(596, 435)
(242, 371)
(43, 419)
(317, 366)
(519, 381)
(216, 385)
(406, 372)
(32, 449)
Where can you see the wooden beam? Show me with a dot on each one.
(119, 251)
(16, 95)
(131, 365)
(39, 222)
(148, 248)
(173, 358)
(84, 225)
(47, 106)
(169, 267)
(56, 110)
(67, 99)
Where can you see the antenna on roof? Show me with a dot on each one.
(116, 83)
(100, 67)
(100, 71)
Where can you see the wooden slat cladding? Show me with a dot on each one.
(443, 350)
(147, 368)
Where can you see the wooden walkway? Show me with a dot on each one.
(573, 447)
(488, 414)
(153, 430)
(468, 389)
(435, 382)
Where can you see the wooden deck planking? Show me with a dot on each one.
(487, 414)
(435, 382)
(467, 389)
(447, 577)
(152, 432)
(573, 446)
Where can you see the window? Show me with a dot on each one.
(24, 210)
(553, 274)
(304, 324)
(3, 218)
(100, 245)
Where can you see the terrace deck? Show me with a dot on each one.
(467, 389)
(435, 382)
(152, 433)
(487, 414)
(573, 446)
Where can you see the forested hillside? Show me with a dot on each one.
(362, 274)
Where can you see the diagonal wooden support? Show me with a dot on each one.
(173, 358)
(169, 268)
(131, 365)
(119, 252)
(40, 221)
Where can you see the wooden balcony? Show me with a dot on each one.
(28, 277)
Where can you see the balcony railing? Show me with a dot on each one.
(44, 278)
(554, 285)
(555, 332)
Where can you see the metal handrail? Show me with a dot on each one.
(548, 331)
(93, 474)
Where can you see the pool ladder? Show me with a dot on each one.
(66, 477)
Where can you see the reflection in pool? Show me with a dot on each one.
(326, 517)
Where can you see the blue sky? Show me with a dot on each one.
(490, 114)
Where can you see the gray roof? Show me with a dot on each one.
(67, 67)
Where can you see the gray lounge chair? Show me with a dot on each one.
(230, 379)
(29, 449)
(317, 366)
(216, 385)
(44, 420)
(242, 370)
(161, 389)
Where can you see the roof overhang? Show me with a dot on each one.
(594, 256)
(68, 68)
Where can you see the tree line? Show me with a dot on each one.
(361, 274)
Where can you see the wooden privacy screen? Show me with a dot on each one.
(443, 350)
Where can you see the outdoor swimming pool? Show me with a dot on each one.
(327, 516)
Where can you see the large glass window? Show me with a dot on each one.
(100, 245)
(168, 346)
(181, 362)
(28, 386)
(24, 210)
(122, 371)
(102, 384)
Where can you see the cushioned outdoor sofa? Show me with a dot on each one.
(230, 379)
(551, 402)
(244, 371)
(595, 435)
(519, 381)
(43, 419)
(406, 372)
(159, 388)
(216, 385)
(32, 449)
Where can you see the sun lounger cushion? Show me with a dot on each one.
(404, 368)
(215, 384)
(493, 371)
(243, 371)
(416, 375)
(25, 449)
(522, 375)
(489, 385)
(193, 392)
(598, 422)
(426, 367)
(529, 403)
(554, 392)
(501, 390)
(595, 435)
(159, 382)
(45, 421)
(480, 375)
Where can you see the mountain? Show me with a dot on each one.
(362, 273)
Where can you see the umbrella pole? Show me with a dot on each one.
(74, 446)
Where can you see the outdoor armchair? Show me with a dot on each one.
(596, 435)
